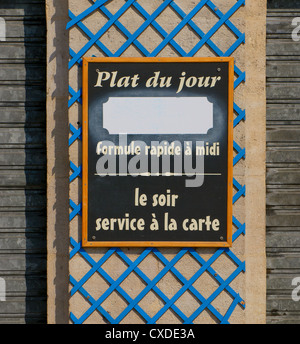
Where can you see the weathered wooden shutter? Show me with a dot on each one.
(23, 161)
(283, 161)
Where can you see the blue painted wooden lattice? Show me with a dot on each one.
(96, 267)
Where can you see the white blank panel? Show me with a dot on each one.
(157, 115)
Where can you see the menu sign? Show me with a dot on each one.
(157, 152)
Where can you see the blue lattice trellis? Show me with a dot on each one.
(205, 266)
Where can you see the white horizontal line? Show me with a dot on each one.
(149, 174)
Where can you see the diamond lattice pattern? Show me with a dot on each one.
(153, 285)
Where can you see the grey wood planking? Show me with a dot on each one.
(283, 239)
(283, 166)
(33, 73)
(283, 218)
(283, 69)
(282, 91)
(17, 319)
(281, 282)
(27, 199)
(19, 115)
(22, 136)
(283, 134)
(287, 318)
(23, 3)
(20, 263)
(283, 5)
(22, 179)
(11, 11)
(281, 261)
(282, 48)
(281, 304)
(33, 158)
(22, 242)
(282, 308)
(23, 162)
(280, 26)
(22, 221)
(283, 155)
(275, 176)
(17, 305)
(282, 198)
(20, 286)
(19, 52)
(283, 112)
(23, 30)
(22, 94)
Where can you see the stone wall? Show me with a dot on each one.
(249, 172)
